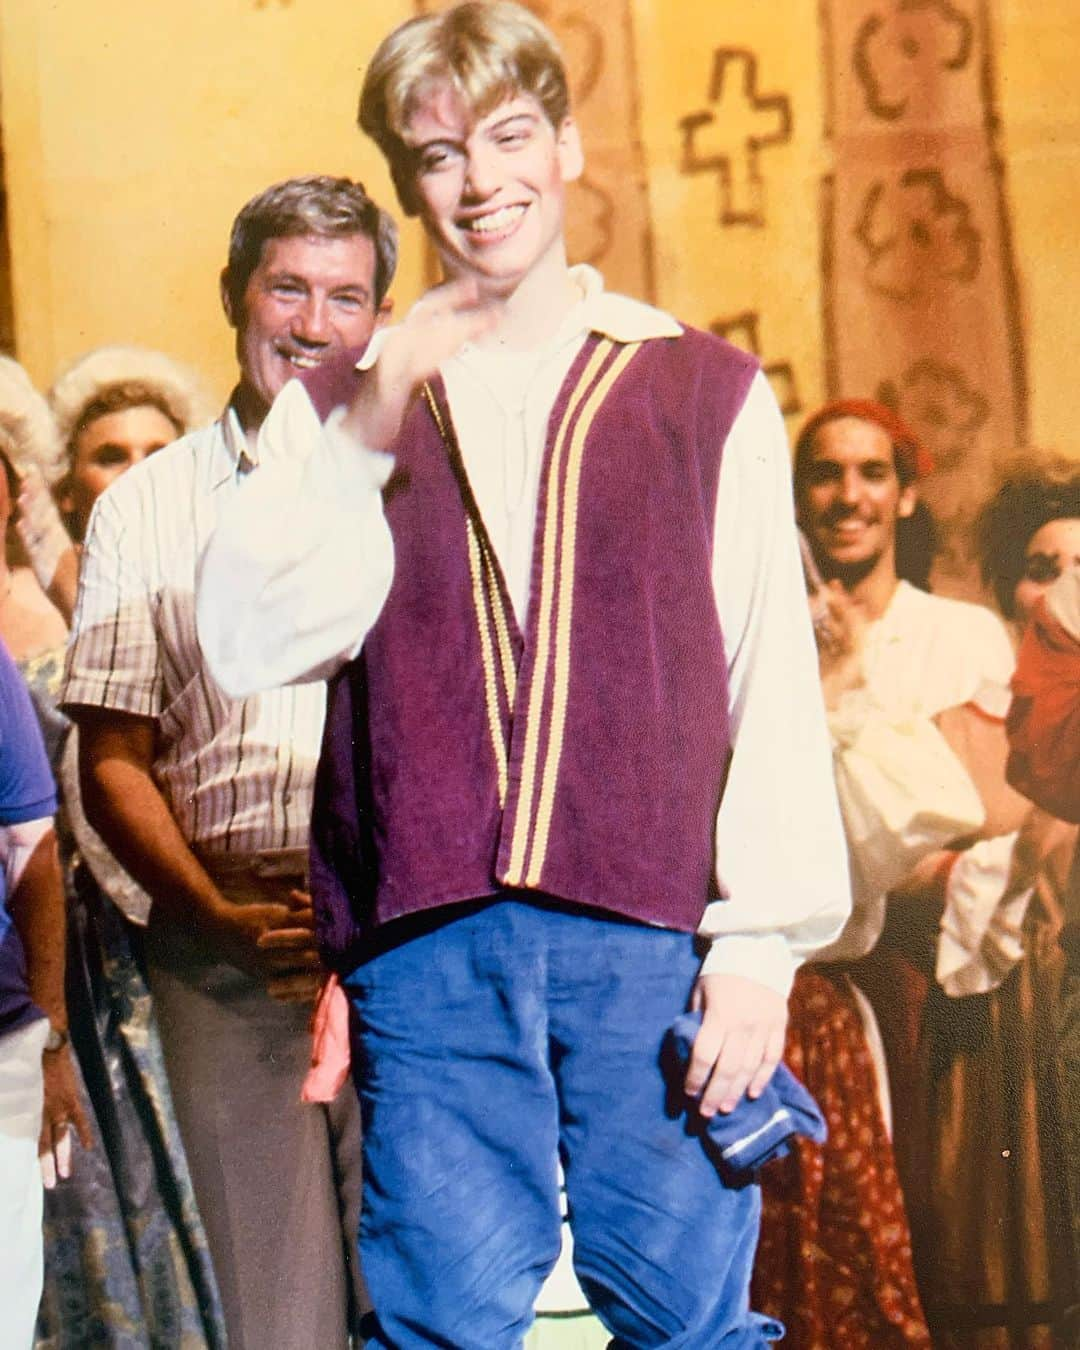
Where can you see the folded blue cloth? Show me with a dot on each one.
(757, 1130)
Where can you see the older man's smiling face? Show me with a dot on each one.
(308, 298)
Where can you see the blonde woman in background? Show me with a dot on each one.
(125, 1254)
(112, 408)
(29, 447)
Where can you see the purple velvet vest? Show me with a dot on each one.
(584, 757)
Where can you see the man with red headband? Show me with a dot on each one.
(916, 689)
(856, 466)
(892, 654)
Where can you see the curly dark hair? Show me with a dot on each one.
(917, 545)
(1034, 488)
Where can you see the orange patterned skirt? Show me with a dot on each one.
(834, 1259)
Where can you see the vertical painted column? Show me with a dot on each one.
(920, 295)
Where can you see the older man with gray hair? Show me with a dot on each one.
(207, 799)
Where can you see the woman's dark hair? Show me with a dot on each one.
(1034, 489)
(916, 546)
(13, 482)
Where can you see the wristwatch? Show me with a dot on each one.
(56, 1039)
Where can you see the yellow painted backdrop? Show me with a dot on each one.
(134, 129)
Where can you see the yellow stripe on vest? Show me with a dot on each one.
(567, 556)
(524, 814)
(487, 657)
(485, 587)
(507, 665)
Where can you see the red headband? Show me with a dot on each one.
(912, 458)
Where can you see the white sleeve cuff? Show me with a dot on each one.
(350, 468)
(765, 957)
(272, 603)
(981, 936)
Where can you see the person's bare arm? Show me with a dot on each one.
(841, 636)
(124, 804)
(53, 556)
(37, 909)
(63, 589)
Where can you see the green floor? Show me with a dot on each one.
(580, 1331)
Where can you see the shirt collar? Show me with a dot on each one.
(600, 311)
(618, 316)
(234, 455)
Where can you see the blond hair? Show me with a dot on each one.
(110, 379)
(28, 434)
(487, 53)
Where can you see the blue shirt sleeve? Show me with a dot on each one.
(27, 792)
(27, 789)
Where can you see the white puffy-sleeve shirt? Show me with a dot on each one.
(272, 608)
(905, 793)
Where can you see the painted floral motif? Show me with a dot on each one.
(942, 406)
(916, 235)
(902, 53)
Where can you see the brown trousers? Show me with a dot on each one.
(277, 1182)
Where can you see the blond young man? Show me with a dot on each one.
(559, 634)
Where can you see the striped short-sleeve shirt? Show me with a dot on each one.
(237, 774)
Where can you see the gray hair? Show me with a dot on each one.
(313, 205)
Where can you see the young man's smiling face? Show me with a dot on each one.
(850, 497)
(491, 191)
(308, 298)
